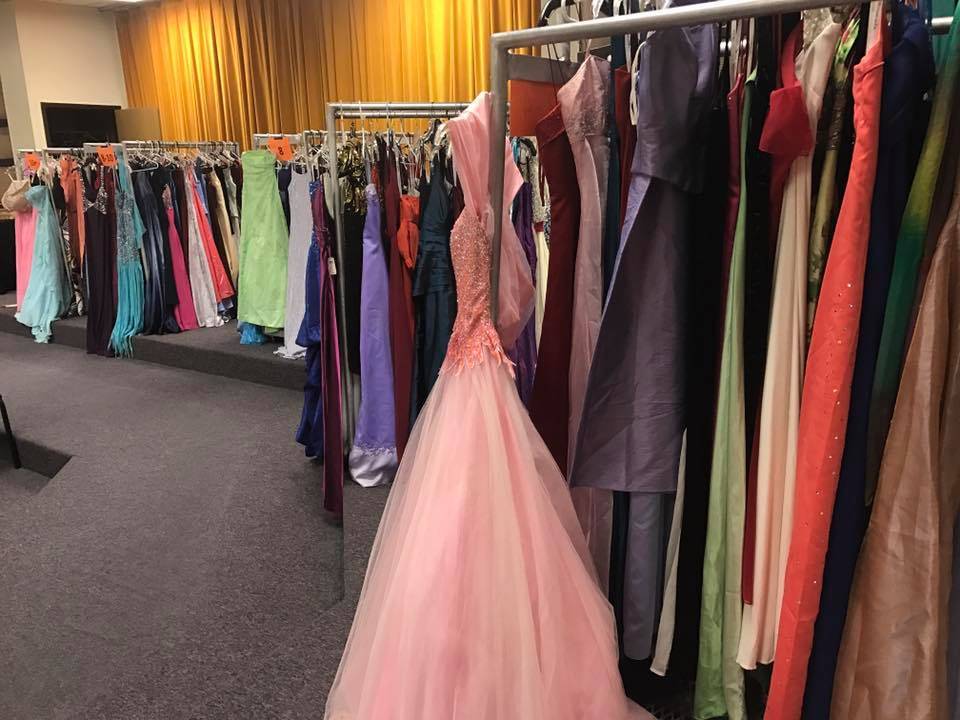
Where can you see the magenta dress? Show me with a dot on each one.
(480, 599)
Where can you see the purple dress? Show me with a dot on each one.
(633, 414)
(373, 459)
(524, 353)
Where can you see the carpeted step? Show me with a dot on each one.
(214, 351)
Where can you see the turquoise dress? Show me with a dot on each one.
(48, 293)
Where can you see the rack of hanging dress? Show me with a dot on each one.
(363, 111)
(127, 267)
(774, 575)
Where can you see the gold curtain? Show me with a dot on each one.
(225, 69)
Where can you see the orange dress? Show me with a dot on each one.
(826, 400)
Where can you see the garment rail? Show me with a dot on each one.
(44, 153)
(505, 66)
(362, 111)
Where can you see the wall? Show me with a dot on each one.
(12, 79)
(57, 53)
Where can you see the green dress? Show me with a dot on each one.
(719, 687)
(911, 244)
(262, 286)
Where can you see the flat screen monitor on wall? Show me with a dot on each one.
(69, 125)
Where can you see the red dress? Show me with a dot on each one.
(826, 400)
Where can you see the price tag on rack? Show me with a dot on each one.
(107, 156)
(31, 161)
(281, 148)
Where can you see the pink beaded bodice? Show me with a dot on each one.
(474, 337)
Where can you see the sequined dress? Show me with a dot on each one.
(480, 600)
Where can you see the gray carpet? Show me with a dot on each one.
(180, 564)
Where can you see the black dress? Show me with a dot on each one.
(100, 259)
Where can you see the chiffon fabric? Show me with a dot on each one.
(826, 399)
(373, 458)
(480, 600)
(783, 378)
(48, 293)
(900, 602)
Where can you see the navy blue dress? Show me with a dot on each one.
(310, 432)
(908, 72)
(434, 287)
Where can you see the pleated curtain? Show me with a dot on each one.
(226, 69)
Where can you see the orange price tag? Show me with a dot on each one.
(31, 161)
(107, 156)
(281, 148)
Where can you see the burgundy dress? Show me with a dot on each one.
(550, 402)
(401, 307)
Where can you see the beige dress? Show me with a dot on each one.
(783, 376)
(892, 661)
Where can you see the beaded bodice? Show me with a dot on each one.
(474, 337)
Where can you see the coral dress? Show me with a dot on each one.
(480, 602)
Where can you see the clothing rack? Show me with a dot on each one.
(261, 139)
(182, 144)
(44, 153)
(362, 111)
(504, 66)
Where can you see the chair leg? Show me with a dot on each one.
(14, 451)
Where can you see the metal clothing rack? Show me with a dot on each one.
(261, 139)
(505, 66)
(362, 111)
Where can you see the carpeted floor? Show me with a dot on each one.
(180, 564)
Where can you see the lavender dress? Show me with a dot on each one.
(633, 412)
(373, 459)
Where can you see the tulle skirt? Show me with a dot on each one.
(480, 601)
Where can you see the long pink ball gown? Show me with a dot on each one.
(480, 600)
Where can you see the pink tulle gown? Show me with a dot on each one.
(480, 600)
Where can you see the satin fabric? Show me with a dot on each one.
(909, 254)
(25, 229)
(100, 256)
(184, 312)
(401, 302)
(373, 458)
(899, 606)
(550, 401)
(301, 232)
(826, 398)
(264, 239)
(434, 289)
(907, 74)
(583, 104)
(198, 263)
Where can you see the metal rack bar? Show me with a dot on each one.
(362, 111)
(261, 139)
(681, 16)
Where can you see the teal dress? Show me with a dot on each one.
(48, 294)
